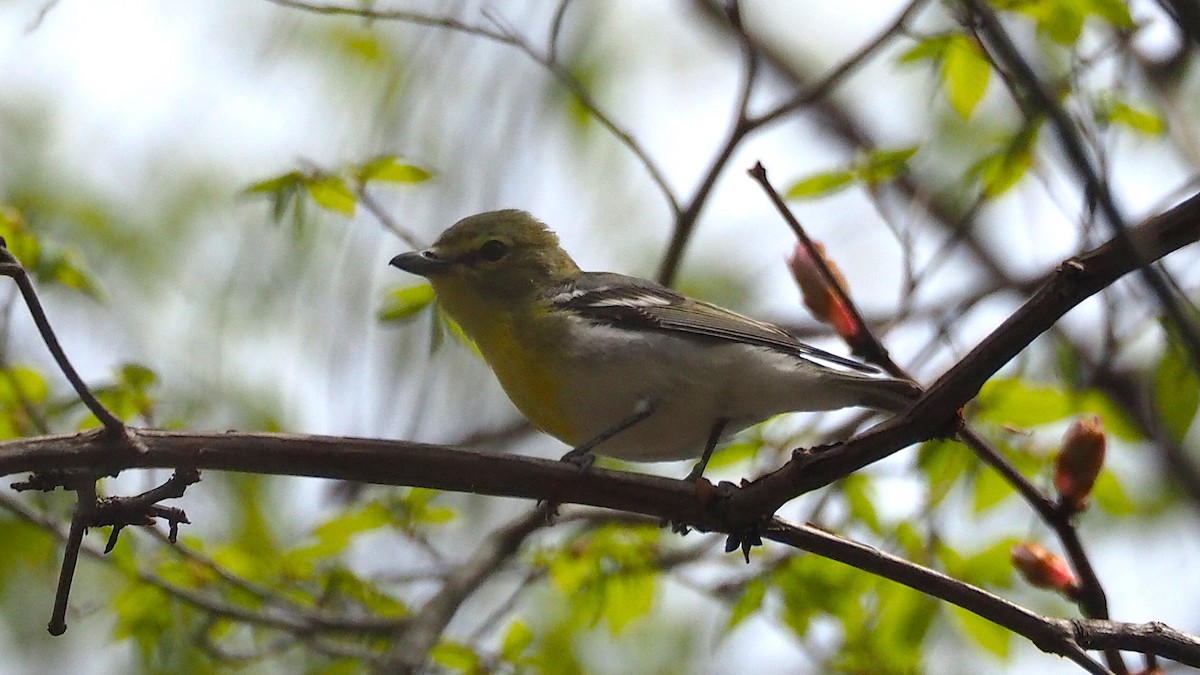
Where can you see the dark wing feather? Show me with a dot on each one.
(630, 302)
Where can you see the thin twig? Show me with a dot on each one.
(821, 88)
(556, 24)
(686, 218)
(511, 39)
(11, 267)
(866, 344)
(420, 634)
(293, 618)
(85, 512)
(1034, 100)
(1050, 635)
(372, 204)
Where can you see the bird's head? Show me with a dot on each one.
(501, 255)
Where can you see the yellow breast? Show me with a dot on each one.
(520, 353)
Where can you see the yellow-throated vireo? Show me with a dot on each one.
(621, 366)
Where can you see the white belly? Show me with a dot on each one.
(691, 384)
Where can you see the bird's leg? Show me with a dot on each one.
(582, 454)
(713, 437)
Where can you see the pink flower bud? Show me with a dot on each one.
(821, 300)
(1079, 461)
(1043, 569)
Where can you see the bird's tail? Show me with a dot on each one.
(888, 395)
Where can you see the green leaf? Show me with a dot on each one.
(389, 168)
(48, 262)
(288, 181)
(819, 184)
(334, 535)
(457, 332)
(332, 193)
(1001, 170)
(589, 74)
(965, 74)
(892, 641)
(360, 42)
(605, 573)
(1119, 112)
(943, 462)
(137, 376)
(990, 490)
(455, 656)
(992, 637)
(931, 48)
(991, 566)
(1062, 21)
(882, 165)
(1116, 419)
(28, 554)
(1013, 402)
(750, 601)
(1176, 392)
(627, 597)
(858, 491)
(345, 666)
(284, 191)
(810, 586)
(63, 267)
(404, 303)
(339, 584)
(143, 612)
(1116, 12)
(22, 382)
(416, 507)
(1110, 497)
(735, 452)
(517, 639)
(19, 241)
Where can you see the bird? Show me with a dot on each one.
(621, 366)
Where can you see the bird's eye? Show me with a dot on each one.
(493, 250)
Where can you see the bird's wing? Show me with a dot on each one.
(637, 304)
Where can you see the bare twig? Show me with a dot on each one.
(381, 214)
(509, 38)
(1057, 636)
(821, 88)
(686, 218)
(419, 635)
(85, 511)
(866, 344)
(11, 267)
(1035, 100)
(292, 618)
(144, 509)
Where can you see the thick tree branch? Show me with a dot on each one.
(403, 463)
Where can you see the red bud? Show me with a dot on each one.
(1043, 569)
(1079, 461)
(821, 300)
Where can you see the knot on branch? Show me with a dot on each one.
(49, 481)
(144, 509)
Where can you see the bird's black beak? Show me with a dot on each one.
(423, 263)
